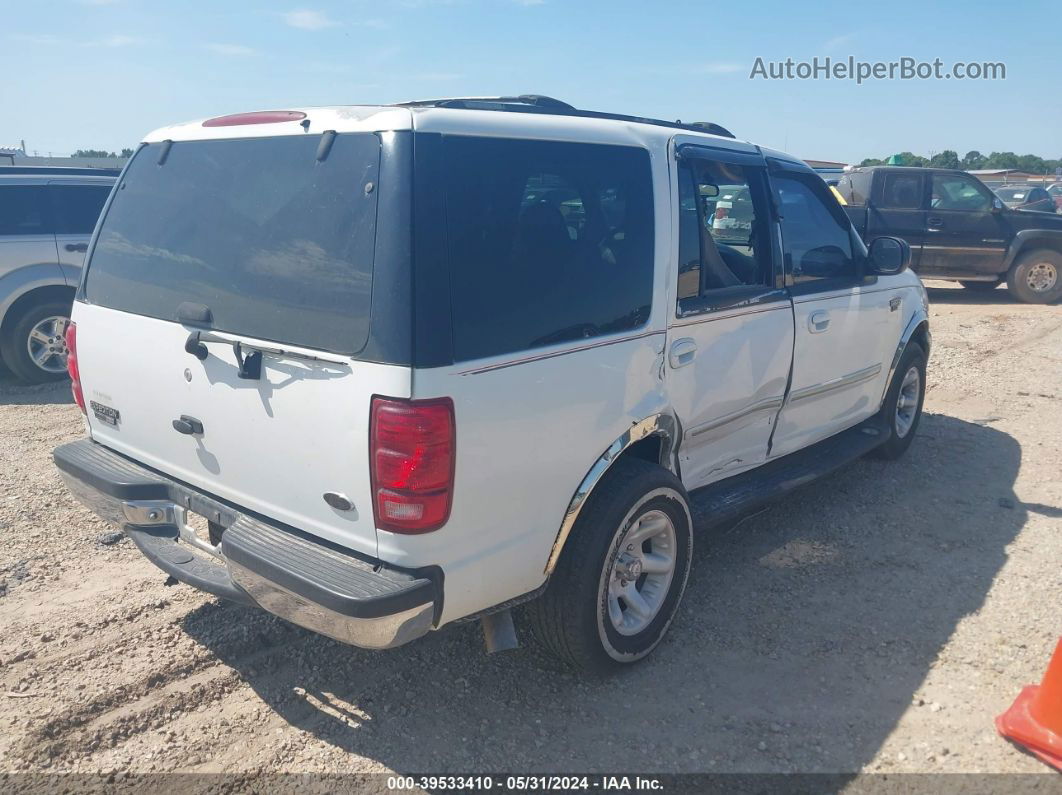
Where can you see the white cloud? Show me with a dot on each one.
(305, 19)
(838, 41)
(230, 49)
(718, 68)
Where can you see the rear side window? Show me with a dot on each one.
(549, 242)
(77, 207)
(276, 243)
(23, 210)
(901, 191)
(855, 187)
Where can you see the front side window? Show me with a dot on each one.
(23, 210)
(956, 192)
(722, 229)
(816, 237)
(901, 191)
(77, 207)
(549, 242)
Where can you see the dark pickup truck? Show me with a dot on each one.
(958, 229)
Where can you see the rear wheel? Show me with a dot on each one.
(1036, 277)
(34, 345)
(622, 572)
(981, 287)
(902, 409)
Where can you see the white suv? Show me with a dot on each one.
(380, 369)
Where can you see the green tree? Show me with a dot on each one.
(973, 160)
(1033, 164)
(911, 159)
(1001, 160)
(872, 161)
(945, 159)
(93, 153)
(126, 153)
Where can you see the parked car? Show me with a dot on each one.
(381, 369)
(1026, 197)
(958, 229)
(46, 218)
(1055, 192)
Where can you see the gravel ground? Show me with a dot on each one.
(875, 621)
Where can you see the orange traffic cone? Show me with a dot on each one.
(1034, 720)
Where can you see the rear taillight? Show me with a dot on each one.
(72, 368)
(411, 449)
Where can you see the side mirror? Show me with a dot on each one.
(888, 256)
(997, 206)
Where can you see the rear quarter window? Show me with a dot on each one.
(549, 242)
(24, 210)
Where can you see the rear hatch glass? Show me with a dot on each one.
(276, 243)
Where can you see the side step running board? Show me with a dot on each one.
(731, 499)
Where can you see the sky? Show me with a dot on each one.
(99, 74)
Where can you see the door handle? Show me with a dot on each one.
(189, 426)
(935, 220)
(818, 322)
(76, 246)
(682, 352)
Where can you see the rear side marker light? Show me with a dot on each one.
(258, 117)
(411, 450)
(72, 368)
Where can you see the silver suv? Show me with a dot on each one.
(46, 219)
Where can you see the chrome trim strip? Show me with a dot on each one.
(858, 377)
(663, 425)
(984, 249)
(553, 354)
(768, 404)
(804, 299)
(384, 632)
(723, 314)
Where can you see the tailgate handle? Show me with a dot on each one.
(189, 426)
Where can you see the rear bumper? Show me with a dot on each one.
(303, 579)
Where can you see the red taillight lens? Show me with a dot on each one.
(72, 368)
(411, 449)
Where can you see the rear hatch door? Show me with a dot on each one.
(262, 248)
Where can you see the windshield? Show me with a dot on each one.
(276, 243)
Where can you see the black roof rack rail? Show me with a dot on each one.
(60, 171)
(538, 103)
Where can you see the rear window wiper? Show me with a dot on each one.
(251, 364)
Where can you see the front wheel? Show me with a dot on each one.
(34, 346)
(902, 408)
(622, 573)
(1036, 277)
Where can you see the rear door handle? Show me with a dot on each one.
(682, 352)
(935, 221)
(76, 246)
(818, 322)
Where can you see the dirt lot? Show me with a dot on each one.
(876, 621)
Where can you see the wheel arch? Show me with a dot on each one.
(1029, 240)
(917, 330)
(36, 294)
(654, 438)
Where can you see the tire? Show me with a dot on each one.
(573, 619)
(15, 343)
(903, 423)
(1036, 277)
(981, 287)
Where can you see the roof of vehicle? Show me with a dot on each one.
(108, 174)
(529, 116)
(908, 168)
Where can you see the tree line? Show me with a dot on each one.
(974, 160)
(101, 153)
